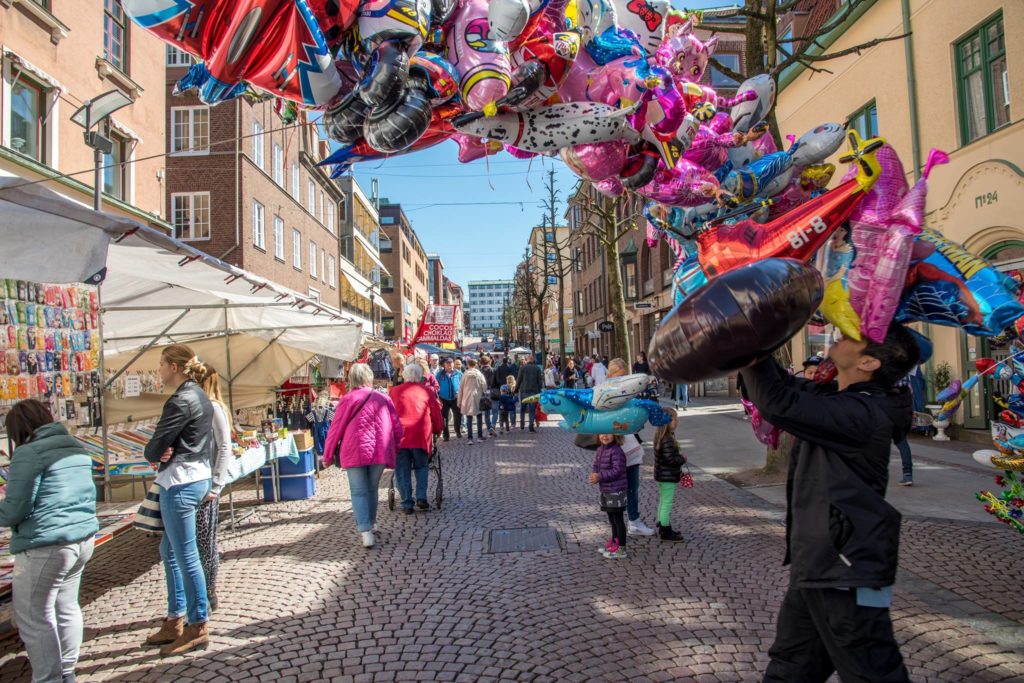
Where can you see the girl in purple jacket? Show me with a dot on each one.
(609, 472)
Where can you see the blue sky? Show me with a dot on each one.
(478, 241)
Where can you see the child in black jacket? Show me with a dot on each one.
(668, 470)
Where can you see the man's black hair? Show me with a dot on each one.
(898, 354)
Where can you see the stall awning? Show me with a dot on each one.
(360, 285)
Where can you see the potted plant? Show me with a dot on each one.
(942, 375)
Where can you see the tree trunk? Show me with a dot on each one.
(616, 299)
(561, 317)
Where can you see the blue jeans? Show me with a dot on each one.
(908, 464)
(495, 412)
(411, 460)
(528, 409)
(186, 583)
(633, 491)
(363, 483)
(682, 394)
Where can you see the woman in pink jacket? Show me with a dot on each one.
(363, 440)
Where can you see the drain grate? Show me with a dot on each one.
(524, 540)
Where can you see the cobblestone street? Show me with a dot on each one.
(301, 600)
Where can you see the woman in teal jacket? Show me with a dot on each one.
(51, 509)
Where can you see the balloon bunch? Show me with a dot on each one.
(614, 407)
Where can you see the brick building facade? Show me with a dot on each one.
(58, 54)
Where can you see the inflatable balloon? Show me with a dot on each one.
(581, 419)
(947, 285)
(763, 431)
(472, 148)
(810, 182)
(508, 18)
(590, 17)
(748, 114)
(554, 54)
(686, 185)
(645, 18)
(436, 77)
(816, 145)
(683, 54)
(595, 161)
(550, 128)
(611, 187)
(735, 320)
(836, 303)
(799, 233)
(479, 57)
(283, 52)
(752, 179)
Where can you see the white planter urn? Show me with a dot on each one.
(940, 425)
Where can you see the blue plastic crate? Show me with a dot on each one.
(293, 486)
(304, 465)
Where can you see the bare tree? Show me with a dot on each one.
(557, 263)
(523, 297)
(609, 219)
(766, 53)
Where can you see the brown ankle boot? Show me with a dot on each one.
(170, 631)
(193, 637)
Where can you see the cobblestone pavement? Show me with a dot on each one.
(301, 600)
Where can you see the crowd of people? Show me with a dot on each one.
(842, 536)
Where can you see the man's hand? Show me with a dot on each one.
(593, 478)
(167, 455)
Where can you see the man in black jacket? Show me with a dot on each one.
(842, 537)
(529, 382)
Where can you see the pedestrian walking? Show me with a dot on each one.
(528, 383)
(599, 371)
(458, 365)
(570, 376)
(508, 401)
(363, 440)
(491, 412)
(681, 393)
(182, 444)
(633, 447)
(448, 381)
(51, 509)
(903, 446)
(551, 376)
(842, 535)
(209, 510)
(474, 399)
(609, 473)
(429, 381)
(420, 415)
(641, 366)
(668, 470)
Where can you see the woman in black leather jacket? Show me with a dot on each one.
(668, 469)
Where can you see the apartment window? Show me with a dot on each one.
(865, 120)
(579, 303)
(28, 125)
(190, 213)
(314, 294)
(115, 34)
(278, 238)
(295, 182)
(780, 56)
(983, 81)
(259, 237)
(257, 143)
(115, 170)
(311, 197)
(330, 215)
(312, 259)
(719, 79)
(330, 272)
(278, 161)
(321, 206)
(176, 57)
(297, 249)
(190, 130)
(323, 265)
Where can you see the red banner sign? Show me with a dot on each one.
(437, 325)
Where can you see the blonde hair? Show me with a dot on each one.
(511, 382)
(617, 367)
(663, 431)
(188, 363)
(617, 439)
(211, 385)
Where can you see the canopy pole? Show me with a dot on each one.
(227, 353)
(145, 348)
(103, 398)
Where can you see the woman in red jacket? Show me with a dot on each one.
(420, 414)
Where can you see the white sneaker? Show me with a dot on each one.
(638, 528)
(470, 442)
(367, 539)
(374, 529)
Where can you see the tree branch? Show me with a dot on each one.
(735, 75)
(856, 49)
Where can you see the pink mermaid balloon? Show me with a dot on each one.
(480, 60)
(686, 185)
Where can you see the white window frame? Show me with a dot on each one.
(323, 265)
(259, 226)
(278, 161)
(296, 249)
(331, 222)
(313, 255)
(278, 238)
(295, 182)
(311, 197)
(331, 267)
(177, 57)
(192, 216)
(193, 148)
(257, 144)
(322, 216)
(314, 294)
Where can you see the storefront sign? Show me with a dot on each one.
(606, 326)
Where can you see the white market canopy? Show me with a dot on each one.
(158, 290)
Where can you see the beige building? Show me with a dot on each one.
(550, 262)
(964, 69)
(56, 55)
(362, 270)
(405, 285)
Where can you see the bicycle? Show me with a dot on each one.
(435, 479)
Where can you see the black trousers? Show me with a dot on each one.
(447, 408)
(824, 630)
(617, 519)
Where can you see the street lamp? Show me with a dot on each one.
(95, 113)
